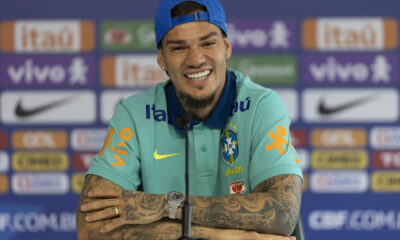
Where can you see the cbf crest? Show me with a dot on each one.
(230, 147)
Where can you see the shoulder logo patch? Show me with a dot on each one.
(280, 143)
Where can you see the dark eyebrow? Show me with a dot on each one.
(208, 36)
(201, 39)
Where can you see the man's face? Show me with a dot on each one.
(195, 54)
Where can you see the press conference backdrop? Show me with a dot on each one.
(65, 64)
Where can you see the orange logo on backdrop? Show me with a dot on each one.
(338, 137)
(117, 72)
(3, 184)
(356, 33)
(36, 36)
(305, 182)
(37, 139)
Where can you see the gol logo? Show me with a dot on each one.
(330, 34)
(131, 71)
(47, 36)
(39, 139)
(237, 187)
(125, 134)
(385, 181)
(339, 137)
(304, 187)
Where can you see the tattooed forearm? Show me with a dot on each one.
(82, 227)
(161, 230)
(143, 205)
(273, 207)
(139, 204)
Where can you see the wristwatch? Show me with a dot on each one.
(175, 200)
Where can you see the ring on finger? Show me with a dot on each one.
(116, 211)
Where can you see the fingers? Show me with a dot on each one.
(112, 225)
(100, 215)
(101, 204)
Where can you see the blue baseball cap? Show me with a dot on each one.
(164, 22)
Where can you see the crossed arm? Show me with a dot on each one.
(272, 208)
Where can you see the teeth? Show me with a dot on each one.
(198, 76)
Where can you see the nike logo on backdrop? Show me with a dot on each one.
(158, 157)
(325, 110)
(23, 112)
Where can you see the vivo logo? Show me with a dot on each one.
(272, 35)
(355, 69)
(48, 71)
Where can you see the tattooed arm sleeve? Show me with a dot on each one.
(273, 207)
(163, 229)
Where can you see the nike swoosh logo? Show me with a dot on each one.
(324, 110)
(23, 112)
(158, 157)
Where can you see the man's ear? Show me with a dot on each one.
(160, 60)
(228, 48)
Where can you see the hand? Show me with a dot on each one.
(134, 207)
(230, 234)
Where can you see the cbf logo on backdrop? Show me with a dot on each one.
(230, 147)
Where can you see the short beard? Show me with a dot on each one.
(193, 104)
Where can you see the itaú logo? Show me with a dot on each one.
(330, 34)
(47, 36)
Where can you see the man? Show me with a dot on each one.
(135, 186)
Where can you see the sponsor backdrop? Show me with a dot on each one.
(65, 64)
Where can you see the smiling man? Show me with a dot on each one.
(134, 188)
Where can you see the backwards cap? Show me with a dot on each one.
(164, 22)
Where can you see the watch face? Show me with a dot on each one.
(175, 196)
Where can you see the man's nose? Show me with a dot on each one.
(195, 57)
